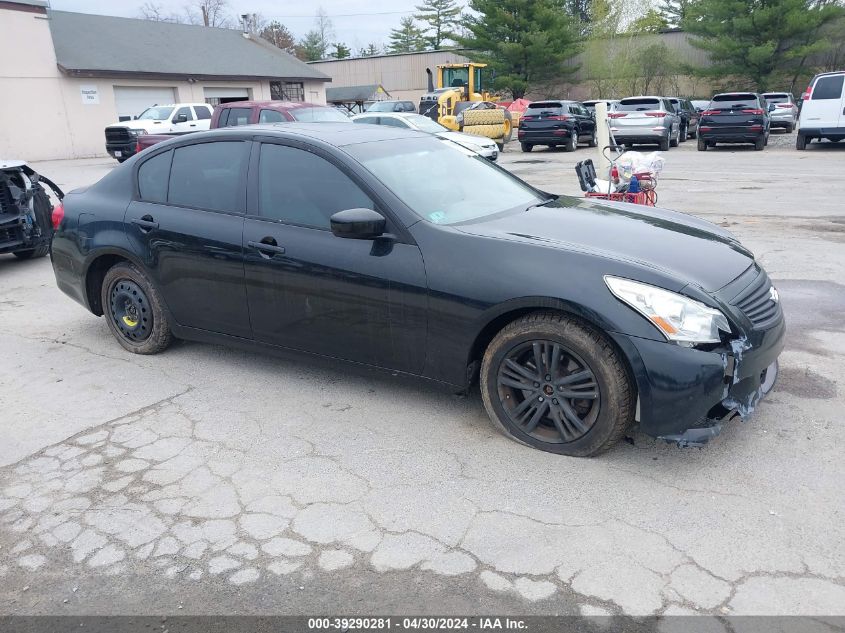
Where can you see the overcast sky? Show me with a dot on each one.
(355, 22)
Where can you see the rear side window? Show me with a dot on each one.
(208, 176)
(394, 122)
(318, 114)
(371, 120)
(828, 88)
(203, 112)
(231, 117)
(152, 177)
(271, 116)
(298, 187)
(638, 105)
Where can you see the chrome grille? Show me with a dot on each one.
(118, 135)
(756, 302)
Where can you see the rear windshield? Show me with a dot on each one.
(545, 105)
(318, 114)
(734, 101)
(777, 97)
(638, 105)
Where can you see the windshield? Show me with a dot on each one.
(424, 124)
(318, 114)
(155, 114)
(382, 106)
(441, 182)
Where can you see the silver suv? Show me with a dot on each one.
(785, 112)
(645, 121)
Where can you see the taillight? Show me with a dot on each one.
(616, 115)
(58, 215)
(710, 112)
(753, 111)
(807, 93)
(558, 117)
(660, 114)
(527, 118)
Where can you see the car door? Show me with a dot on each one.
(186, 225)
(586, 123)
(203, 117)
(183, 120)
(359, 300)
(826, 105)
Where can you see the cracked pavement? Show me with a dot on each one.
(211, 480)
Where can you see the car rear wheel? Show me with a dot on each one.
(594, 142)
(664, 144)
(789, 128)
(526, 147)
(759, 143)
(134, 310)
(572, 144)
(552, 383)
(682, 135)
(702, 144)
(800, 142)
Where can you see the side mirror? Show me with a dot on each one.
(771, 107)
(358, 224)
(182, 118)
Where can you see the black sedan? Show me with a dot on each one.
(735, 117)
(396, 250)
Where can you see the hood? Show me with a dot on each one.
(682, 246)
(146, 124)
(467, 140)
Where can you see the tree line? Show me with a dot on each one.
(527, 44)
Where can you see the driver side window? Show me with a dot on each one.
(298, 187)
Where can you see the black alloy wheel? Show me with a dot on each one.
(548, 391)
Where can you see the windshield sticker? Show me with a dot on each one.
(437, 217)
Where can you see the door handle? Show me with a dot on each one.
(145, 223)
(268, 248)
(193, 124)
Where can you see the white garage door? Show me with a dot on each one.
(133, 100)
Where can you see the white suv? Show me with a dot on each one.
(175, 118)
(823, 110)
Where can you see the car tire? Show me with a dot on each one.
(702, 144)
(683, 134)
(572, 143)
(594, 142)
(664, 144)
(33, 253)
(572, 353)
(800, 142)
(526, 147)
(759, 143)
(789, 128)
(134, 310)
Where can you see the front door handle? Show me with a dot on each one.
(267, 247)
(145, 223)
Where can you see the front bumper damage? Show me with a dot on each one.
(688, 394)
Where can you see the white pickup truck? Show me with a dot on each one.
(175, 118)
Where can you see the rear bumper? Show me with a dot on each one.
(640, 135)
(686, 394)
(13, 238)
(815, 132)
(730, 136)
(543, 137)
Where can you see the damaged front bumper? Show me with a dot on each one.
(687, 394)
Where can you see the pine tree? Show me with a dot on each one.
(442, 18)
(408, 38)
(652, 21)
(369, 50)
(524, 43)
(311, 47)
(341, 51)
(675, 12)
(762, 42)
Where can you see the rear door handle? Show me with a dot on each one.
(145, 223)
(267, 249)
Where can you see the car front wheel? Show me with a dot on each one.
(134, 310)
(553, 383)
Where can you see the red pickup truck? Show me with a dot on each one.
(249, 112)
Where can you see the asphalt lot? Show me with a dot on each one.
(209, 480)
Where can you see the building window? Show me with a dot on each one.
(287, 91)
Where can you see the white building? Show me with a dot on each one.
(65, 76)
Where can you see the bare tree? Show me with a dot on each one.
(153, 11)
(254, 23)
(324, 27)
(209, 13)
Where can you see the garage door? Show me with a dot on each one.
(133, 100)
(216, 96)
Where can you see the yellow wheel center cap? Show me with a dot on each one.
(129, 321)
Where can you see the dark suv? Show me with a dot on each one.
(734, 117)
(689, 117)
(556, 123)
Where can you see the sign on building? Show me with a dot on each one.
(90, 95)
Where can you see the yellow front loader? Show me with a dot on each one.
(460, 103)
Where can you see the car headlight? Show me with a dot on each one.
(679, 318)
(138, 131)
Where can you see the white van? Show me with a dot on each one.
(823, 110)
